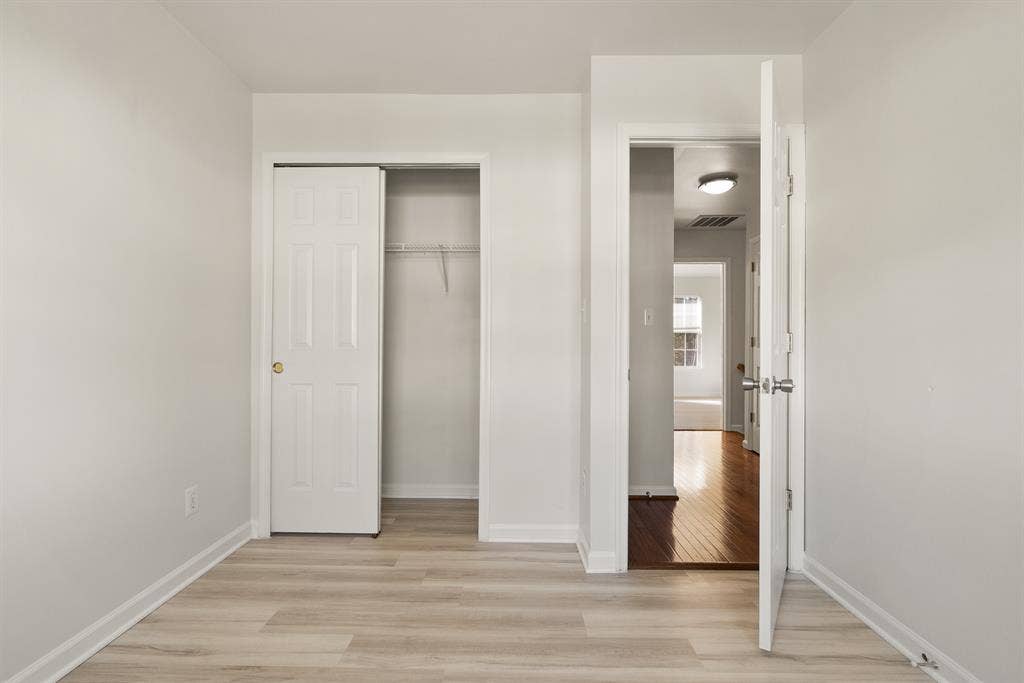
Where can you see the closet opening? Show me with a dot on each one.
(430, 399)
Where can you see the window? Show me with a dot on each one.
(687, 349)
(686, 328)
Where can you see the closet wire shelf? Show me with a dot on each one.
(440, 248)
(426, 247)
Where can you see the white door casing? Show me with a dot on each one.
(753, 355)
(774, 350)
(325, 423)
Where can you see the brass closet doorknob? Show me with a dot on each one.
(277, 367)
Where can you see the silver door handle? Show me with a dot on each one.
(750, 384)
(786, 386)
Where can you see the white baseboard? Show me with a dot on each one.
(652, 489)
(62, 659)
(735, 428)
(533, 533)
(891, 629)
(430, 491)
(595, 562)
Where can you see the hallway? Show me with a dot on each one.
(714, 522)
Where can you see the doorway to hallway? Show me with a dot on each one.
(707, 518)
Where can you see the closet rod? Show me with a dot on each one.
(440, 248)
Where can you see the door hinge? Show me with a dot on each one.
(629, 374)
(753, 342)
(789, 342)
(789, 499)
(789, 185)
(753, 266)
(751, 418)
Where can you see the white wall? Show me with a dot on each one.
(914, 430)
(431, 397)
(731, 245)
(676, 89)
(705, 381)
(650, 352)
(582, 378)
(533, 142)
(125, 278)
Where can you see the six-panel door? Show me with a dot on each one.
(327, 275)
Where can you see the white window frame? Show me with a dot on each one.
(699, 331)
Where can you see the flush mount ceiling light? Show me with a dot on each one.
(716, 183)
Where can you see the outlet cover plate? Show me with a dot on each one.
(191, 500)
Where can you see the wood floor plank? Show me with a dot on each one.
(714, 522)
(427, 602)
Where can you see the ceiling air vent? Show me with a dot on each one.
(714, 220)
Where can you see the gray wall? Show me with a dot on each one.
(125, 277)
(730, 244)
(650, 348)
(431, 397)
(914, 304)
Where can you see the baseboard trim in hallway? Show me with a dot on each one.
(59, 661)
(653, 491)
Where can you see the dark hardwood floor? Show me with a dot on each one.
(713, 525)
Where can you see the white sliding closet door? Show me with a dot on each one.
(326, 389)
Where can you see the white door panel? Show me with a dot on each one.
(772, 339)
(325, 424)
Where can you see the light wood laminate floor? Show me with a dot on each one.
(426, 601)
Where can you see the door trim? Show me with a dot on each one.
(797, 319)
(262, 287)
(753, 247)
(663, 134)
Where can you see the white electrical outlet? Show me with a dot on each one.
(191, 500)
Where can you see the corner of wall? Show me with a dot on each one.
(595, 561)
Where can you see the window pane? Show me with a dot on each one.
(686, 313)
(686, 350)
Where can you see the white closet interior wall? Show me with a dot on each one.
(431, 399)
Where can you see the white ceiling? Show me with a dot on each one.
(693, 161)
(479, 46)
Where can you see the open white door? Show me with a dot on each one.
(325, 438)
(774, 371)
